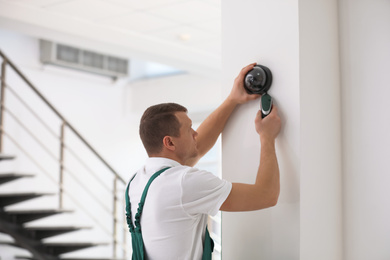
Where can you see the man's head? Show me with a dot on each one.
(157, 122)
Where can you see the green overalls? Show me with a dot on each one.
(136, 233)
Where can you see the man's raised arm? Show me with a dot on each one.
(265, 192)
(213, 125)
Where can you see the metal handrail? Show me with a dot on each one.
(19, 98)
(68, 148)
(60, 116)
(52, 179)
(65, 124)
(44, 147)
(29, 156)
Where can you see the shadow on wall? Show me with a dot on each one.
(289, 175)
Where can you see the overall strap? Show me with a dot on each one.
(208, 246)
(141, 203)
(128, 207)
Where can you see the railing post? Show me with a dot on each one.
(61, 177)
(125, 233)
(2, 102)
(114, 217)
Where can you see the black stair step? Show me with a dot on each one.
(6, 157)
(67, 258)
(7, 177)
(24, 216)
(62, 248)
(45, 232)
(9, 243)
(7, 199)
(24, 257)
(57, 249)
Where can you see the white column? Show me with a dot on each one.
(321, 194)
(265, 32)
(299, 44)
(365, 64)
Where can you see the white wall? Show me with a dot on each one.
(321, 163)
(365, 63)
(265, 32)
(106, 114)
(298, 41)
(338, 165)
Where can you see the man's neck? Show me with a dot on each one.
(168, 156)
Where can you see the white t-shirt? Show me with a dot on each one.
(176, 207)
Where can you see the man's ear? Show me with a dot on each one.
(168, 143)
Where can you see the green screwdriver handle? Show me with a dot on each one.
(266, 105)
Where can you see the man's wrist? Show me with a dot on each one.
(231, 101)
(265, 140)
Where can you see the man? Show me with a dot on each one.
(179, 201)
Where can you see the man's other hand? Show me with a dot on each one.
(238, 93)
(269, 127)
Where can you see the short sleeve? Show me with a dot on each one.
(203, 192)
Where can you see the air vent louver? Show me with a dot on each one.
(71, 57)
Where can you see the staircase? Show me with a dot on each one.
(13, 223)
(16, 223)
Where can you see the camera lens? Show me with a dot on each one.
(258, 80)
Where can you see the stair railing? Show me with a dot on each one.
(65, 125)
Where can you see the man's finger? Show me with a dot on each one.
(259, 114)
(274, 109)
(248, 67)
(253, 96)
(250, 64)
(245, 70)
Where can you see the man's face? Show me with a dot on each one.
(186, 146)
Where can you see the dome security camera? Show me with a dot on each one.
(258, 81)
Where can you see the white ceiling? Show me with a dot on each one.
(181, 33)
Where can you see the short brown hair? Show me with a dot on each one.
(157, 122)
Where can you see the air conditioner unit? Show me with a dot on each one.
(85, 60)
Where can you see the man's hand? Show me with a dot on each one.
(269, 127)
(238, 94)
(213, 125)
